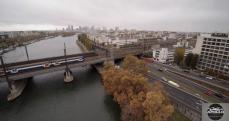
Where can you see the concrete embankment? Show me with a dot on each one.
(99, 68)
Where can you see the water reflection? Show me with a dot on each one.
(45, 48)
(47, 97)
(112, 108)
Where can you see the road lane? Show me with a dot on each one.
(185, 84)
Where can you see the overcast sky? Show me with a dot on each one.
(171, 15)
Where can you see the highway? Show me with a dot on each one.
(198, 76)
(185, 84)
(174, 94)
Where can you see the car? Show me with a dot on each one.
(160, 69)
(209, 77)
(218, 95)
(208, 92)
(198, 95)
(164, 79)
(185, 70)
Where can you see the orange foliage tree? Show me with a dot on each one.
(131, 90)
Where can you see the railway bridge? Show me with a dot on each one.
(16, 73)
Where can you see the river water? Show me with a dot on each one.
(47, 98)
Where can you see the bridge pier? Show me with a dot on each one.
(68, 76)
(16, 89)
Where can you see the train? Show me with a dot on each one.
(45, 65)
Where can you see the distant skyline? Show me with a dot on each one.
(157, 15)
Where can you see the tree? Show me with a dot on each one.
(179, 55)
(85, 41)
(191, 60)
(188, 59)
(156, 105)
(133, 64)
(148, 54)
(131, 90)
(194, 61)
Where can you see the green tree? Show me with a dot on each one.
(179, 55)
(194, 61)
(188, 59)
(85, 41)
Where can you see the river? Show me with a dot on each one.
(47, 98)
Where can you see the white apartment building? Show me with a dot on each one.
(162, 55)
(166, 55)
(214, 52)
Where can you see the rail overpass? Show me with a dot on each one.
(17, 72)
(90, 58)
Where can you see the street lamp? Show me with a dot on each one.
(4, 69)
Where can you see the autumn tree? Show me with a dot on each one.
(133, 64)
(131, 90)
(156, 105)
(128, 90)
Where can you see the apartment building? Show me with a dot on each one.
(160, 55)
(214, 52)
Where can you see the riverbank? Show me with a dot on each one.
(13, 47)
(82, 47)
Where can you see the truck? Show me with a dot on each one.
(174, 83)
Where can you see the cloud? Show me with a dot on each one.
(173, 15)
